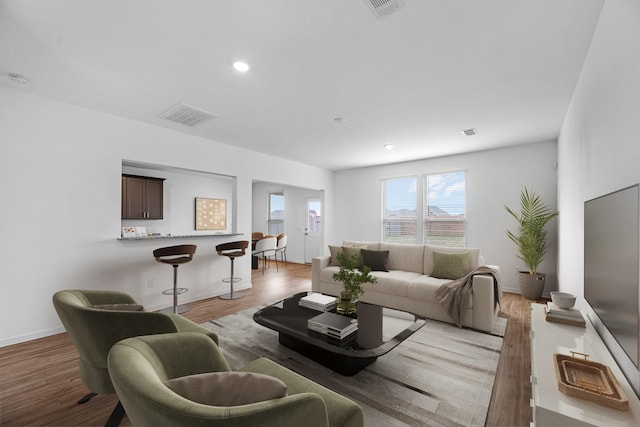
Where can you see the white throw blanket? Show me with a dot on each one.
(454, 296)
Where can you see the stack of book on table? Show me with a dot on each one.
(319, 302)
(568, 316)
(333, 325)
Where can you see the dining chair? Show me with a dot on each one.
(281, 246)
(266, 247)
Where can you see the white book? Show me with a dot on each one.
(316, 298)
(318, 302)
(317, 307)
(571, 313)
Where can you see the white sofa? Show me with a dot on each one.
(408, 285)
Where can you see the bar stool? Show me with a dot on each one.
(175, 255)
(232, 250)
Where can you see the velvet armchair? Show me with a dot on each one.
(144, 371)
(96, 320)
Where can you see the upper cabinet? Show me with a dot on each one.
(142, 197)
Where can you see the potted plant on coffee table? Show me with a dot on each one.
(531, 240)
(352, 277)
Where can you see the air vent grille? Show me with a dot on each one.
(470, 132)
(382, 8)
(187, 115)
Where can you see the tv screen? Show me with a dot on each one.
(611, 253)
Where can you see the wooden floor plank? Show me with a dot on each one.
(40, 381)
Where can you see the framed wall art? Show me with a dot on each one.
(211, 214)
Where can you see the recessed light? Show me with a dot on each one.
(241, 66)
(17, 78)
(339, 120)
(388, 146)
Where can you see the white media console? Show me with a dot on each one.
(553, 408)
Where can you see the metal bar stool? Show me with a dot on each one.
(232, 250)
(175, 255)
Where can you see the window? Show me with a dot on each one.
(276, 213)
(430, 210)
(445, 214)
(399, 216)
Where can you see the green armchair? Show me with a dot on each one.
(96, 320)
(142, 369)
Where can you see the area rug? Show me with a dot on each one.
(440, 376)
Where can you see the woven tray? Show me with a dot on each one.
(580, 377)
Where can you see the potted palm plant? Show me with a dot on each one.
(352, 277)
(531, 240)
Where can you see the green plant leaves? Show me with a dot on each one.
(349, 275)
(531, 236)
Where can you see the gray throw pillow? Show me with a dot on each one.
(450, 265)
(375, 260)
(119, 307)
(334, 250)
(228, 388)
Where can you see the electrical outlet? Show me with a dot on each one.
(150, 283)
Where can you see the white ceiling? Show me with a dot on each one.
(414, 79)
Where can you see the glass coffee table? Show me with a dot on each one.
(379, 330)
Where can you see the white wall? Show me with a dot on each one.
(599, 148)
(181, 187)
(60, 212)
(295, 214)
(494, 178)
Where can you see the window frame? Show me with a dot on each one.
(423, 221)
(406, 220)
(455, 222)
(275, 226)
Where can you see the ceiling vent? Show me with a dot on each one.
(187, 115)
(470, 132)
(382, 8)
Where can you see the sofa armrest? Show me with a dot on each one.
(484, 302)
(317, 264)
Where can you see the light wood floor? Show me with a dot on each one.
(39, 382)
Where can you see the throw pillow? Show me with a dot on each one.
(334, 250)
(228, 388)
(350, 251)
(119, 307)
(450, 265)
(375, 260)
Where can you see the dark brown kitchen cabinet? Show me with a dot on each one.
(142, 197)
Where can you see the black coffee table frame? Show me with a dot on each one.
(347, 356)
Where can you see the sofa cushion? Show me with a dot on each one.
(393, 282)
(450, 266)
(228, 388)
(474, 256)
(372, 246)
(407, 257)
(375, 260)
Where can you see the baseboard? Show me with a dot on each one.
(32, 336)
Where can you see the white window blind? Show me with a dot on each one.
(399, 216)
(445, 209)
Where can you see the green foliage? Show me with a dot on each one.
(531, 236)
(350, 276)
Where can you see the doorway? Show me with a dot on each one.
(313, 229)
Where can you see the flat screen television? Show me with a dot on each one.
(611, 271)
